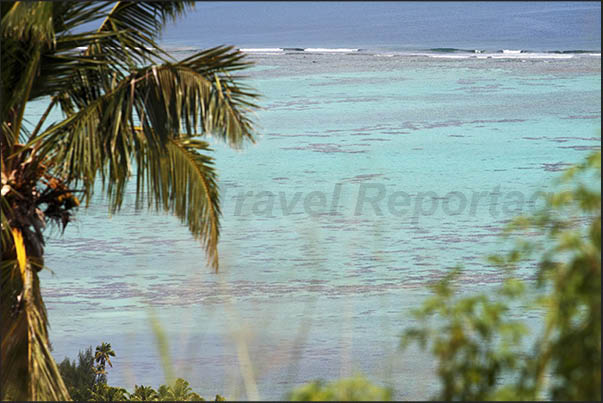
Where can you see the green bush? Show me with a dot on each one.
(475, 340)
(350, 389)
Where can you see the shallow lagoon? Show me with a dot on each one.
(318, 289)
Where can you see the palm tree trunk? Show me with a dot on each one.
(27, 370)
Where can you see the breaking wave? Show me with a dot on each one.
(314, 50)
(440, 52)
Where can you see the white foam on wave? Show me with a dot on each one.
(83, 48)
(261, 50)
(331, 50)
(469, 54)
(525, 56)
(450, 56)
(517, 56)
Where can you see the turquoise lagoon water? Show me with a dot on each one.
(316, 281)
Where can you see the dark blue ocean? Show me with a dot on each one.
(491, 26)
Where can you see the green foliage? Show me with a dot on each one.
(80, 377)
(350, 389)
(180, 390)
(471, 337)
(87, 380)
(144, 393)
(102, 357)
(105, 393)
(476, 342)
(164, 392)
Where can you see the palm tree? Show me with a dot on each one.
(102, 357)
(129, 111)
(164, 393)
(104, 393)
(144, 394)
(179, 391)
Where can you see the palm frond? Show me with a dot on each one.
(32, 68)
(197, 95)
(19, 86)
(59, 67)
(29, 22)
(183, 180)
(168, 103)
(138, 23)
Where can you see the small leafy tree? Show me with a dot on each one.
(350, 389)
(474, 339)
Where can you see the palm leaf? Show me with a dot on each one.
(40, 61)
(29, 22)
(190, 190)
(154, 114)
(139, 23)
